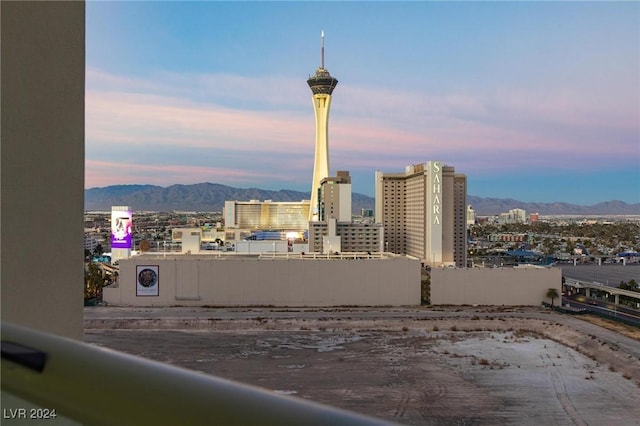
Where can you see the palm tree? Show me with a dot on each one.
(552, 293)
(94, 282)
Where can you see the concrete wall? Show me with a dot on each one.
(245, 281)
(493, 286)
(262, 246)
(42, 172)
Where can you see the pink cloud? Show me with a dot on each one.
(105, 173)
(157, 120)
(510, 128)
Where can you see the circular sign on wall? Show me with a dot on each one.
(147, 278)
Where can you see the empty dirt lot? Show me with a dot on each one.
(455, 365)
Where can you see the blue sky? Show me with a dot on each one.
(536, 101)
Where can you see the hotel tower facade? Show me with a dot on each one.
(322, 85)
(423, 211)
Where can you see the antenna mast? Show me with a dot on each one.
(322, 50)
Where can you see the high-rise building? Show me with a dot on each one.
(423, 211)
(322, 85)
(471, 215)
(512, 216)
(335, 198)
(296, 216)
(334, 231)
(460, 228)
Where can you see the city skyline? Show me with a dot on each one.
(538, 102)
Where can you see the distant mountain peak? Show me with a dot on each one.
(207, 196)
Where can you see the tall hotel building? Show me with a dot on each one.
(322, 85)
(423, 211)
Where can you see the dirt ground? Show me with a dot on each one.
(454, 367)
(626, 330)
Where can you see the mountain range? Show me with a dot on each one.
(211, 197)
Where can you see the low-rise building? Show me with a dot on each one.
(265, 215)
(333, 236)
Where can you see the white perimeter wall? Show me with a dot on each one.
(493, 286)
(236, 281)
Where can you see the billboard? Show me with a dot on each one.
(121, 225)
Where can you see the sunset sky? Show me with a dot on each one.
(536, 101)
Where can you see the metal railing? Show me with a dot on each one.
(97, 386)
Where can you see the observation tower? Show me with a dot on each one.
(322, 85)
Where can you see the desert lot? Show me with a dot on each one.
(453, 365)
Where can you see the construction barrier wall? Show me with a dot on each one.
(494, 286)
(198, 280)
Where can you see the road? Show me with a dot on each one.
(629, 316)
(608, 274)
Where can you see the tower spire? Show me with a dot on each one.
(321, 85)
(322, 49)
